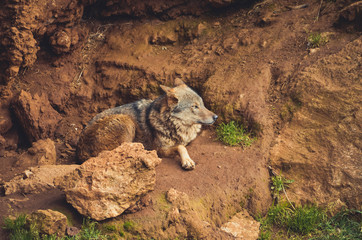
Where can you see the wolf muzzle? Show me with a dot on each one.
(209, 121)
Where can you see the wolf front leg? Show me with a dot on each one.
(186, 162)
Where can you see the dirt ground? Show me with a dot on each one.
(242, 60)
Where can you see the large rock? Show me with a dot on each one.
(321, 148)
(105, 186)
(37, 179)
(36, 115)
(49, 222)
(242, 226)
(41, 153)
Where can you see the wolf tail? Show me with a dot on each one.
(105, 134)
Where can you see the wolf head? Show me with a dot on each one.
(186, 105)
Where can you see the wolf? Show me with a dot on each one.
(166, 124)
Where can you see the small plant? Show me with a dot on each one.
(306, 219)
(89, 230)
(14, 224)
(279, 183)
(128, 226)
(315, 40)
(110, 227)
(344, 225)
(234, 134)
(18, 229)
(279, 214)
(309, 222)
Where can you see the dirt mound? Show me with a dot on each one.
(24, 24)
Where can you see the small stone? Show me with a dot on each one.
(313, 50)
(216, 24)
(72, 231)
(173, 215)
(242, 227)
(263, 44)
(49, 222)
(27, 174)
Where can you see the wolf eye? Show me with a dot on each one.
(195, 106)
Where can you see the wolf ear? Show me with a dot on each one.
(179, 82)
(171, 99)
(171, 96)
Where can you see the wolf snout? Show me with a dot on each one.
(214, 117)
(209, 120)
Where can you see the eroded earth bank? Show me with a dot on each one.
(62, 62)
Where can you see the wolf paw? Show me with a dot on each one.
(188, 164)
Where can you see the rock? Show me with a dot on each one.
(105, 186)
(41, 153)
(36, 115)
(313, 50)
(64, 40)
(230, 44)
(321, 147)
(49, 222)
(182, 217)
(72, 231)
(37, 179)
(242, 226)
(179, 199)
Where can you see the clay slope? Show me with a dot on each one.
(321, 147)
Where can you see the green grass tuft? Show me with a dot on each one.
(309, 222)
(315, 40)
(15, 224)
(306, 219)
(234, 134)
(18, 229)
(128, 226)
(345, 225)
(89, 230)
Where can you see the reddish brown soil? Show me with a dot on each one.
(245, 62)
